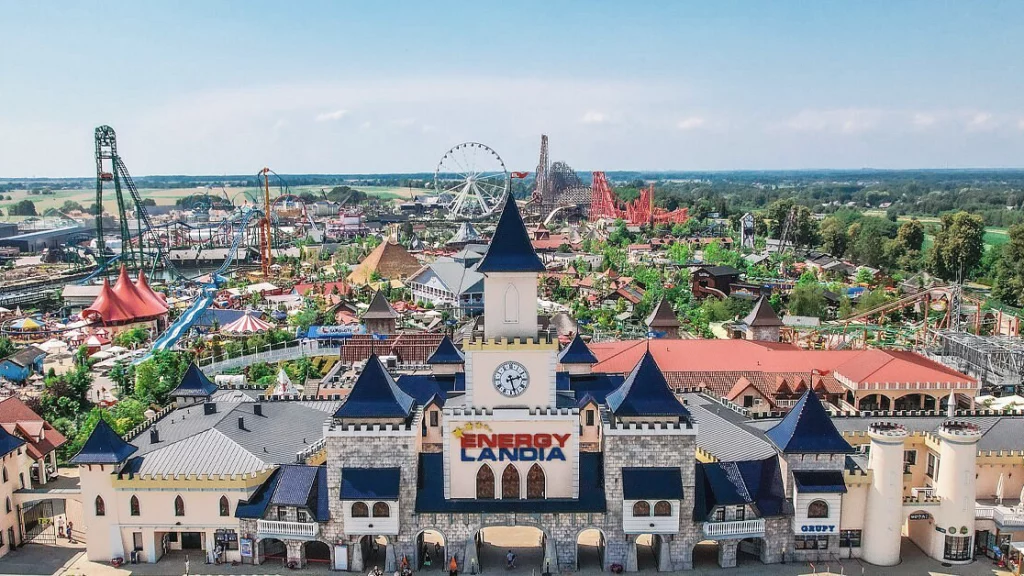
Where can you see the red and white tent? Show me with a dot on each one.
(247, 324)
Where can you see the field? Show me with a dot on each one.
(993, 236)
(168, 196)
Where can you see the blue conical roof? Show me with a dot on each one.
(645, 392)
(446, 353)
(104, 446)
(510, 249)
(9, 442)
(376, 395)
(577, 352)
(194, 383)
(808, 429)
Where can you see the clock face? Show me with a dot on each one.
(511, 378)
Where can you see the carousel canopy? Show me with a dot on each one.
(247, 324)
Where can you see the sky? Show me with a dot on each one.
(227, 87)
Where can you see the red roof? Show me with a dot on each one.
(148, 294)
(17, 418)
(107, 307)
(125, 302)
(721, 356)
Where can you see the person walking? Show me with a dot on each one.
(453, 567)
(71, 535)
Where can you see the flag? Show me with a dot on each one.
(520, 174)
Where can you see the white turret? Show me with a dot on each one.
(955, 487)
(883, 517)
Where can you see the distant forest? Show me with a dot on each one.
(998, 195)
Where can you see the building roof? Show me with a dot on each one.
(762, 315)
(305, 487)
(510, 249)
(104, 446)
(663, 316)
(645, 392)
(819, 481)
(370, 483)
(756, 482)
(17, 418)
(577, 353)
(466, 233)
(652, 484)
(26, 356)
(389, 260)
(9, 442)
(720, 270)
(247, 323)
(125, 302)
(380, 308)
(376, 395)
(458, 277)
(808, 429)
(446, 353)
(722, 433)
(194, 383)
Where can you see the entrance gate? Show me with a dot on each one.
(40, 526)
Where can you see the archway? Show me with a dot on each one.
(918, 527)
(317, 552)
(272, 549)
(913, 401)
(431, 550)
(873, 402)
(375, 553)
(590, 547)
(705, 554)
(527, 543)
(749, 551)
(649, 551)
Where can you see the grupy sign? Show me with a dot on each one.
(818, 529)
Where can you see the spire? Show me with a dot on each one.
(808, 429)
(763, 315)
(376, 395)
(663, 316)
(194, 383)
(380, 308)
(104, 446)
(645, 392)
(510, 249)
(9, 442)
(446, 353)
(577, 352)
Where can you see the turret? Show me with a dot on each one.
(103, 455)
(955, 487)
(884, 512)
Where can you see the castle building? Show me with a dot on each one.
(605, 468)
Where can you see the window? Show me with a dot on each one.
(510, 483)
(21, 478)
(381, 510)
(1, 538)
(849, 538)
(910, 457)
(225, 506)
(641, 508)
(433, 418)
(810, 542)
(535, 483)
(360, 510)
(748, 401)
(590, 417)
(101, 508)
(8, 504)
(133, 506)
(179, 506)
(511, 305)
(5, 474)
(720, 514)
(933, 466)
(282, 514)
(740, 513)
(957, 548)
(817, 509)
(303, 516)
(663, 508)
(485, 483)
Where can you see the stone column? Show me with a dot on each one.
(681, 553)
(727, 553)
(616, 551)
(296, 553)
(469, 564)
(566, 556)
(357, 556)
(631, 564)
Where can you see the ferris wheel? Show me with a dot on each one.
(472, 179)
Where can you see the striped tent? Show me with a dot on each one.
(247, 324)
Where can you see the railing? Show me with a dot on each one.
(982, 512)
(734, 528)
(1005, 517)
(278, 528)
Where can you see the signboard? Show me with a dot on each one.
(476, 446)
(245, 547)
(818, 529)
(327, 332)
(939, 529)
(920, 516)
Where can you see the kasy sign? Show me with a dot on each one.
(479, 447)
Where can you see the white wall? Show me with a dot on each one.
(371, 525)
(649, 524)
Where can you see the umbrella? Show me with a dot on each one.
(1000, 488)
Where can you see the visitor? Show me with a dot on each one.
(453, 567)
(71, 536)
(510, 560)
(437, 549)
(426, 559)
(60, 527)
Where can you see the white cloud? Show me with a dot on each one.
(691, 123)
(842, 121)
(924, 120)
(594, 117)
(1020, 124)
(331, 116)
(981, 121)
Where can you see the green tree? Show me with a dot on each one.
(911, 235)
(959, 245)
(6, 347)
(71, 206)
(23, 208)
(833, 236)
(808, 299)
(1009, 282)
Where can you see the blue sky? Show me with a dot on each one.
(212, 87)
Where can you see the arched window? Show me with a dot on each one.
(817, 509)
(511, 305)
(101, 508)
(133, 506)
(8, 504)
(360, 510)
(535, 482)
(225, 506)
(179, 506)
(663, 508)
(510, 483)
(5, 474)
(381, 510)
(642, 508)
(484, 483)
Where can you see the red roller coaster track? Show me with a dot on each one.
(604, 204)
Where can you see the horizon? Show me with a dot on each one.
(326, 88)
